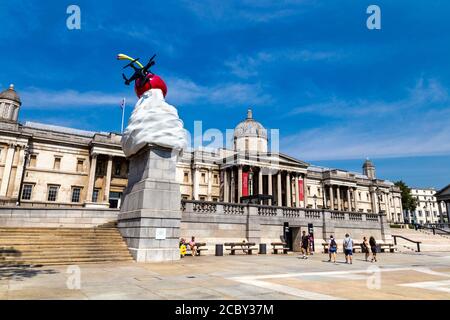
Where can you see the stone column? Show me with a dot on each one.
(233, 186)
(305, 190)
(260, 182)
(441, 216)
(374, 202)
(269, 181)
(19, 173)
(7, 170)
(288, 190)
(324, 193)
(150, 216)
(297, 195)
(92, 169)
(390, 217)
(195, 183)
(108, 179)
(349, 202)
(338, 193)
(226, 186)
(355, 198)
(447, 207)
(209, 184)
(280, 200)
(239, 184)
(331, 197)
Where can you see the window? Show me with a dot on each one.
(26, 192)
(202, 198)
(33, 160)
(309, 191)
(318, 192)
(117, 168)
(100, 169)
(367, 196)
(95, 195)
(216, 179)
(359, 195)
(80, 165)
(76, 191)
(203, 177)
(215, 199)
(52, 193)
(186, 177)
(57, 163)
(185, 197)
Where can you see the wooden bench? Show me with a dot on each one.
(387, 246)
(245, 247)
(199, 246)
(276, 245)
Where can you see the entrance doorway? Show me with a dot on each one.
(292, 238)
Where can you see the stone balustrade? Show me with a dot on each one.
(261, 220)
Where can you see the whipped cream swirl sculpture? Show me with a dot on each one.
(153, 120)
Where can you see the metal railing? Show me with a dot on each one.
(436, 230)
(407, 239)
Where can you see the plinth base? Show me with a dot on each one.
(150, 215)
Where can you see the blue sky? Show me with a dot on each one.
(337, 91)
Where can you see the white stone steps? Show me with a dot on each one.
(61, 246)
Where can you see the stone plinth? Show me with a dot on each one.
(150, 214)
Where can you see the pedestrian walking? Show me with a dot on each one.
(348, 249)
(332, 249)
(304, 245)
(366, 248)
(373, 248)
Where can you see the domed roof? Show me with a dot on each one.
(250, 128)
(10, 94)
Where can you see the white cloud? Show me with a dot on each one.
(184, 91)
(37, 98)
(424, 93)
(415, 125)
(181, 91)
(249, 66)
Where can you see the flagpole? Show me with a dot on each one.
(123, 112)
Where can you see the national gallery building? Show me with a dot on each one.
(51, 166)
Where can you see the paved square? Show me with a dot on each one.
(264, 277)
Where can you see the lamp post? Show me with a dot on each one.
(379, 193)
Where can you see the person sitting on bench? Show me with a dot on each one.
(244, 247)
(193, 246)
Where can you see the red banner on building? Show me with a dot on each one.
(244, 184)
(301, 195)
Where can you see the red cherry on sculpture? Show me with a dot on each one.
(155, 83)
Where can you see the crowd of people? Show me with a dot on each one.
(307, 247)
(367, 247)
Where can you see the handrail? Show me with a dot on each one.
(407, 239)
(420, 226)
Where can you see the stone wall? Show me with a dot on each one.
(18, 217)
(214, 222)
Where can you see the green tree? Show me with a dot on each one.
(408, 201)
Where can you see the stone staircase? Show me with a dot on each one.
(61, 246)
(430, 242)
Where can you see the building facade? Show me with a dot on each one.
(52, 166)
(428, 210)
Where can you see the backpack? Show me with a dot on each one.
(333, 244)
